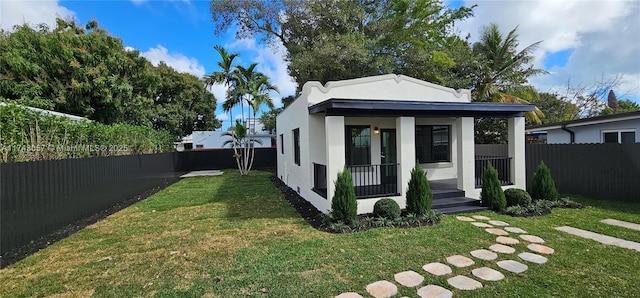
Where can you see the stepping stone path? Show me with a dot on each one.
(507, 240)
(481, 217)
(541, 249)
(481, 225)
(484, 254)
(513, 266)
(533, 258)
(437, 269)
(462, 282)
(498, 223)
(487, 273)
(460, 261)
(498, 232)
(349, 295)
(412, 279)
(502, 248)
(532, 239)
(409, 278)
(515, 230)
(619, 223)
(433, 291)
(382, 289)
(601, 238)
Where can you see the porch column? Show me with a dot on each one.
(406, 148)
(334, 138)
(466, 155)
(516, 152)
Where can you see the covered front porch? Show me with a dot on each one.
(380, 142)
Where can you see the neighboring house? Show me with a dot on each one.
(52, 113)
(617, 128)
(378, 127)
(215, 139)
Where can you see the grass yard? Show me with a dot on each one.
(231, 236)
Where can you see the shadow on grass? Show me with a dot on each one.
(252, 196)
(607, 204)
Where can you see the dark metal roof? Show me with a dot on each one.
(396, 108)
(587, 121)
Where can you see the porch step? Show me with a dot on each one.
(459, 204)
(446, 193)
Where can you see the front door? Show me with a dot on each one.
(389, 168)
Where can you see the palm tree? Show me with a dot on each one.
(242, 144)
(225, 76)
(503, 72)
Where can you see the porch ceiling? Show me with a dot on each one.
(398, 108)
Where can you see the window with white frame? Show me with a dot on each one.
(627, 136)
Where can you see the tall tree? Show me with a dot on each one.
(225, 76)
(612, 101)
(350, 39)
(503, 71)
(83, 70)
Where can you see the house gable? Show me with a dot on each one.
(383, 87)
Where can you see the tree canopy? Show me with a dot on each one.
(351, 39)
(83, 70)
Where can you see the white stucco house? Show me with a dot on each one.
(378, 127)
(620, 128)
(215, 139)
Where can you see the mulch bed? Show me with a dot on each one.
(22, 252)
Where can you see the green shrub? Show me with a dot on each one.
(568, 203)
(517, 197)
(492, 195)
(431, 217)
(419, 195)
(542, 186)
(343, 204)
(386, 208)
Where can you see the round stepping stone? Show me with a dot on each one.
(460, 261)
(382, 289)
(502, 248)
(507, 240)
(481, 217)
(533, 258)
(409, 278)
(433, 291)
(512, 266)
(464, 283)
(464, 218)
(498, 223)
(498, 232)
(349, 295)
(532, 239)
(515, 230)
(487, 273)
(541, 249)
(481, 225)
(437, 269)
(484, 254)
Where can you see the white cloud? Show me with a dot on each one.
(222, 117)
(13, 12)
(270, 62)
(603, 35)
(178, 61)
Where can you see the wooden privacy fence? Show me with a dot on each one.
(607, 171)
(40, 197)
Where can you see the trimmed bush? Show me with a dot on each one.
(386, 208)
(517, 197)
(419, 195)
(492, 195)
(343, 204)
(542, 186)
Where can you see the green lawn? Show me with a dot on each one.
(229, 236)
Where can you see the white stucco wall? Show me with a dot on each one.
(592, 133)
(384, 87)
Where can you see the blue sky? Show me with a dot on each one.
(582, 41)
